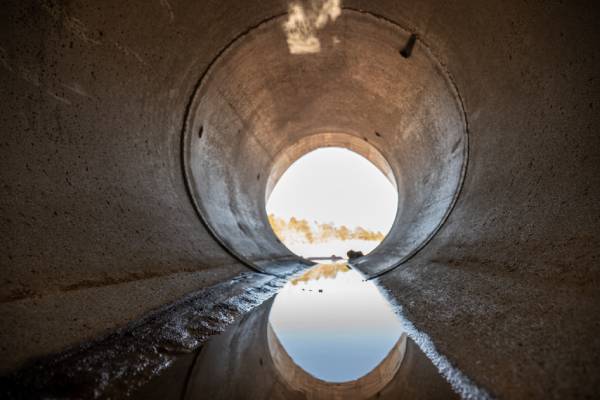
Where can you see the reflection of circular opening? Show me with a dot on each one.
(332, 332)
(332, 200)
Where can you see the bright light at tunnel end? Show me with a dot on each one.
(332, 200)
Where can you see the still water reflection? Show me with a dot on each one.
(327, 335)
(333, 324)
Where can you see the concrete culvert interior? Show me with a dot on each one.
(258, 101)
(140, 141)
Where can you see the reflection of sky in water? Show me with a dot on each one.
(339, 334)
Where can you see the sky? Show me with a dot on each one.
(335, 185)
(334, 324)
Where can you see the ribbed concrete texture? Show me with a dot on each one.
(139, 141)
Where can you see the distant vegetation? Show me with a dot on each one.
(325, 271)
(319, 232)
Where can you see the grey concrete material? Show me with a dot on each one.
(64, 319)
(257, 101)
(120, 363)
(511, 337)
(92, 183)
(93, 195)
(514, 273)
(94, 97)
(417, 379)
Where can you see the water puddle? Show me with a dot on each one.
(328, 334)
(333, 324)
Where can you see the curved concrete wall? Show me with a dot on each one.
(258, 101)
(98, 227)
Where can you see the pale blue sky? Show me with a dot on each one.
(339, 334)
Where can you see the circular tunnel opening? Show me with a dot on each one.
(331, 201)
(261, 105)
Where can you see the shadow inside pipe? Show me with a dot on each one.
(329, 334)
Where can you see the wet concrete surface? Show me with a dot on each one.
(237, 365)
(242, 363)
(96, 219)
(115, 366)
(219, 344)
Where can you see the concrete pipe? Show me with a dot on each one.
(139, 141)
(260, 107)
